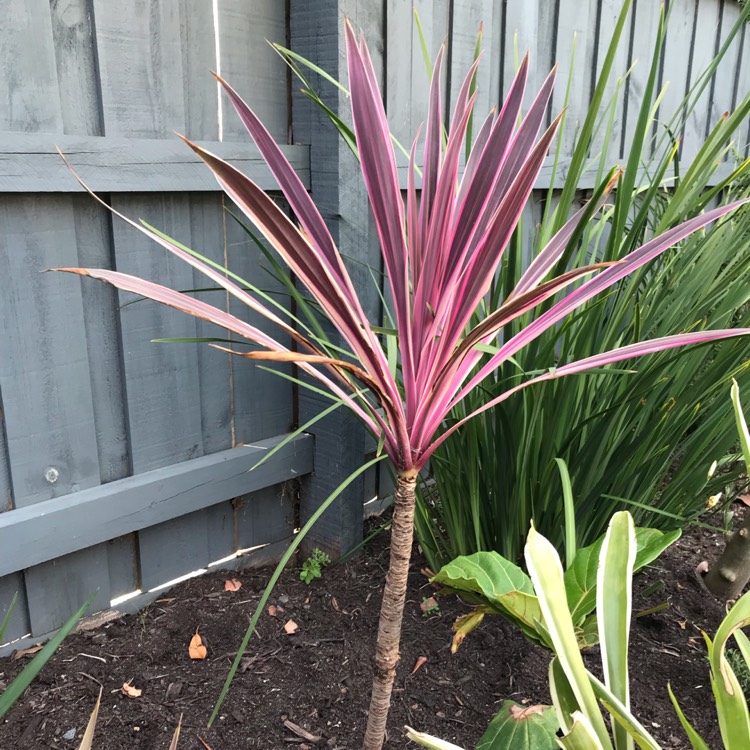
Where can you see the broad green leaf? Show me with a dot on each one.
(429, 741)
(547, 576)
(517, 726)
(580, 579)
(695, 739)
(613, 605)
(489, 579)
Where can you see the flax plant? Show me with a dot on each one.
(441, 253)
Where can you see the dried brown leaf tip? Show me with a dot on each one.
(419, 663)
(26, 652)
(196, 649)
(232, 584)
(519, 714)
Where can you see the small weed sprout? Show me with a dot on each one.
(312, 567)
(430, 607)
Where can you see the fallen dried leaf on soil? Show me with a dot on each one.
(130, 691)
(232, 584)
(27, 651)
(197, 650)
(420, 661)
(291, 627)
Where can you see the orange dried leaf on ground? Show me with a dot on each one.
(291, 627)
(273, 610)
(744, 498)
(420, 661)
(26, 652)
(197, 650)
(130, 691)
(232, 584)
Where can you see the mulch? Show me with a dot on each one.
(310, 689)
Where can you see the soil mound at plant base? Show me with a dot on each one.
(309, 687)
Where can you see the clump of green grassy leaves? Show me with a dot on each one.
(312, 568)
(640, 436)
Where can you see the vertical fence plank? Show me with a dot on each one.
(645, 31)
(676, 65)
(574, 23)
(261, 402)
(317, 33)
(704, 49)
(529, 27)
(467, 17)
(254, 67)
(406, 77)
(143, 96)
(614, 92)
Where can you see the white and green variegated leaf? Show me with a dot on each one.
(426, 740)
(563, 697)
(517, 726)
(623, 716)
(581, 735)
(734, 720)
(614, 594)
(546, 574)
(489, 579)
(580, 578)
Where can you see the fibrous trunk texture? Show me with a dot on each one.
(392, 609)
(731, 572)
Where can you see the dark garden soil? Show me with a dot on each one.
(311, 689)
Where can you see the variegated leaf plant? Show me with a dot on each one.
(441, 252)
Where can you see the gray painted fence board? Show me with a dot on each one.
(645, 30)
(407, 80)
(19, 624)
(676, 67)
(467, 17)
(74, 48)
(59, 587)
(614, 92)
(43, 356)
(337, 188)
(91, 516)
(267, 515)
(29, 163)
(141, 63)
(704, 49)
(254, 68)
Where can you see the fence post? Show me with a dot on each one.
(317, 33)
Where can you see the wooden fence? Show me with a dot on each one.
(123, 464)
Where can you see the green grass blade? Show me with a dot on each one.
(6, 620)
(277, 574)
(570, 513)
(16, 688)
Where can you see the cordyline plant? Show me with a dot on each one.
(441, 253)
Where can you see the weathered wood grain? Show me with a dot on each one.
(29, 163)
(82, 519)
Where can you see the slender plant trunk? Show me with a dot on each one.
(729, 575)
(392, 609)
